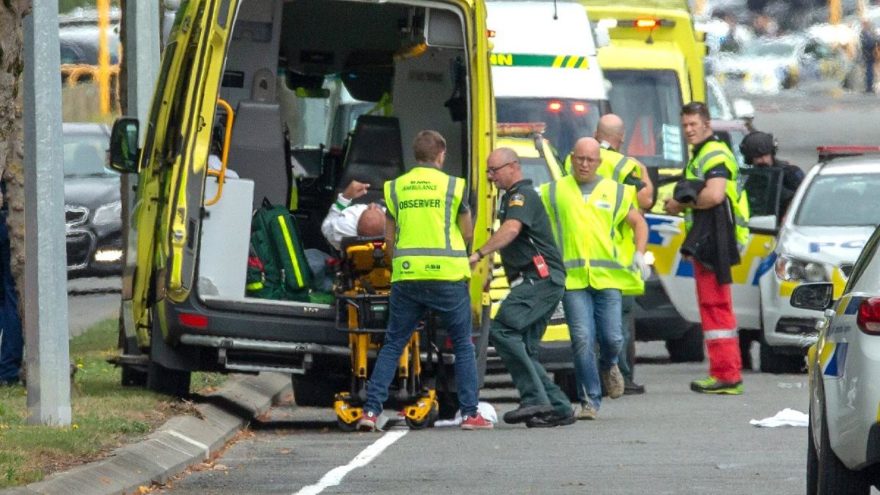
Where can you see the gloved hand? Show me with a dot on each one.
(644, 268)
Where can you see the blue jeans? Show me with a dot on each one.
(11, 343)
(588, 311)
(409, 300)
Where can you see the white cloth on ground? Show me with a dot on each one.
(785, 417)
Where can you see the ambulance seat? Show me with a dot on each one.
(374, 155)
(257, 151)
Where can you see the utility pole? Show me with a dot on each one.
(45, 271)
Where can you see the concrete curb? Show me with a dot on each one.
(183, 441)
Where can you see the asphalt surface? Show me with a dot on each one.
(668, 441)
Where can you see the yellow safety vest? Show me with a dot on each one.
(586, 232)
(428, 243)
(617, 167)
(712, 154)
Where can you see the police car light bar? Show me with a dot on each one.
(646, 23)
(829, 152)
(520, 128)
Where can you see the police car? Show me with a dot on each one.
(844, 430)
(829, 220)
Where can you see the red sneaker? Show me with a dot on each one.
(476, 422)
(369, 422)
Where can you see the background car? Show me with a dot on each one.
(843, 449)
(91, 202)
(767, 66)
(817, 243)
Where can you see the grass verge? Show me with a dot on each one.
(105, 414)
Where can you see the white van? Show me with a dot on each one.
(544, 68)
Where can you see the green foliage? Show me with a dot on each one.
(105, 414)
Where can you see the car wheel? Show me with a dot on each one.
(164, 380)
(833, 476)
(689, 347)
(777, 362)
(812, 462)
(132, 375)
(568, 383)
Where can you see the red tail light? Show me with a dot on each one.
(869, 316)
(191, 320)
(554, 106)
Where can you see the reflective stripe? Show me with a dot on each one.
(708, 156)
(615, 176)
(447, 221)
(254, 286)
(605, 264)
(575, 264)
(289, 244)
(429, 252)
(719, 334)
(559, 240)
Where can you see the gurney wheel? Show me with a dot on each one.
(429, 420)
(346, 427)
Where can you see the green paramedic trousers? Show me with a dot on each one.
(516, 334)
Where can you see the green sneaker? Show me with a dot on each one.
(712, 386)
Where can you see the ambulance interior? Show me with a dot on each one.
(407, 55)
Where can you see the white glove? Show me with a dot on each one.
(642, 265)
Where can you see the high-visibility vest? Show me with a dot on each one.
(586, 231)
(428, 243)
(617, 167)
(712, 154)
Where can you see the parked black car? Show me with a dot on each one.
(91, 202)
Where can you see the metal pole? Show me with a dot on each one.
(45, 272)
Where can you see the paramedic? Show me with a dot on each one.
(537, 281)
(428, 227)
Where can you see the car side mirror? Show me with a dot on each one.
(815, 296)
(124, 152)
(763, 224)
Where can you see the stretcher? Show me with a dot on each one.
(363, 291)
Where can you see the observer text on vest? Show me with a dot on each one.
(418, 203)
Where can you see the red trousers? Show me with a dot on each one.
(719, 325)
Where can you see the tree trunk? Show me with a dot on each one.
(11, 137)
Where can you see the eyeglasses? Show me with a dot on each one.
(493, 171)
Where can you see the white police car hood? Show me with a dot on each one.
(834, 245)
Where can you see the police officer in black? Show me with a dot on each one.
(759, 149)
(537, 279)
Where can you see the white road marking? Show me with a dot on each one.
(334, 477)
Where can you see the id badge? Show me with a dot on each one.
(541, 266)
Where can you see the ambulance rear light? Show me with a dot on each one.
(829, 152)
(193, 320)
(868, 319)
(554, 106)
(580, 108)
(520, 128)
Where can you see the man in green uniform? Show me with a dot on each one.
(537, 281)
